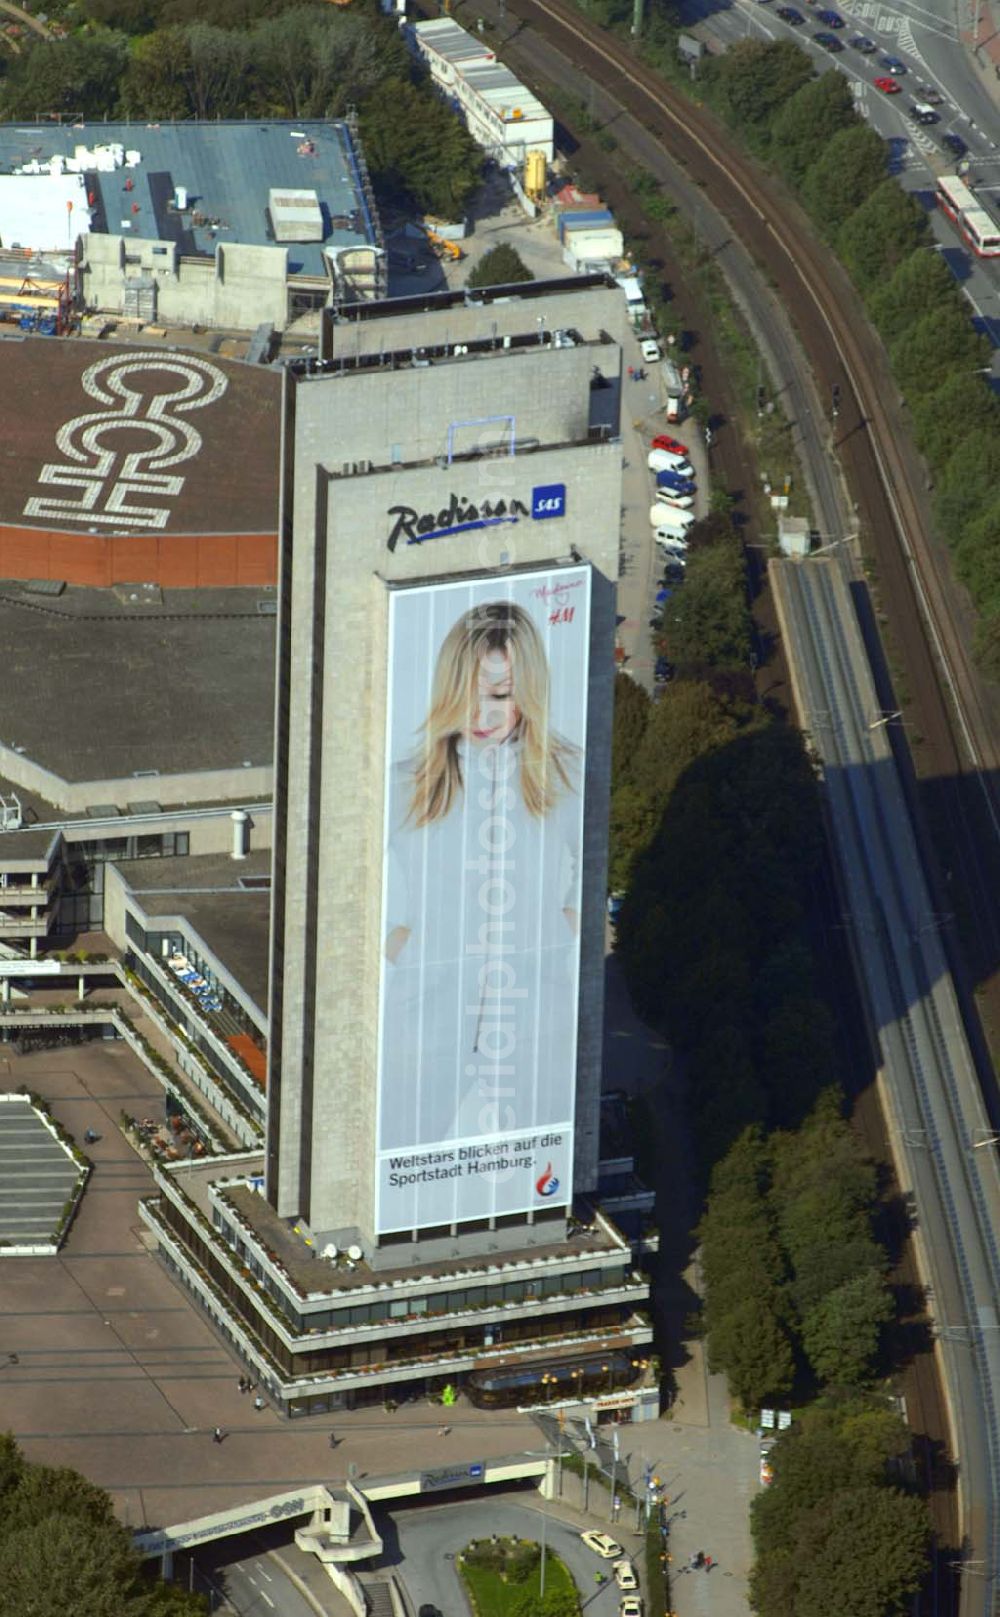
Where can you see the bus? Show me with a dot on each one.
(980, 231)
(954, 197)
(967, 214)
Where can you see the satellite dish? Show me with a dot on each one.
(330, 1250)
(355, 1253)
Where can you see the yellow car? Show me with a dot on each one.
(602, 1545)
(625, 1575)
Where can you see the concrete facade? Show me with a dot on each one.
(357, 443)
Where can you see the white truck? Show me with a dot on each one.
(674, 389)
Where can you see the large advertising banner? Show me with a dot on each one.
(486, 733)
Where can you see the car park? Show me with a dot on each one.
(602, 1545)
(921, 113)
(662, 441)
(955, 144)
(790, 15)
(625, 1575)
(887, 86)
(829, 42)
(861, 42)
(892, 65)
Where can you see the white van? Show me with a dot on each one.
(664, 460)
(672, 550)
(667, 516)
(677, 502)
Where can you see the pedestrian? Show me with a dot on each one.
(631, 372)
(699, 1559)
(443, 1431)
(217, 1435)
(708, 1563)
(242, 1383)
(333, 1441)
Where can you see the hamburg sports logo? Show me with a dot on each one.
(548, 1184)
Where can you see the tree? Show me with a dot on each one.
(844, 175)
(808, 121)
(158, 76)
(968, 484)
(962, 404)
(417, 149)
(841, 1334)
(501, 266)
(631, 827)
(631, 715)
(941, 344)
(753, 81)
(987, 645)
(709, 620)
(921, 284)
(75, 75)
(888, 226)
(977, 558)
(752, 1346)
(864, 1550)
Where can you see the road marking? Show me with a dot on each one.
(263, 1572)
(265, 1596)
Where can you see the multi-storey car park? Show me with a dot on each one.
(351, 1242)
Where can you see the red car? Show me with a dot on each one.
(887, 86)
(671, 445)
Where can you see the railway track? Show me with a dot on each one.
(941, 1135)
(960, 749)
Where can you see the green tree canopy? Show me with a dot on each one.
(942, 344)
(501, 266)
(416, 148)
(753, 80)
(866, 1550)
(968, 484)
(75, 75)
(631, 715)
(921, 284)
(888, 226)
(842, 1333)
(751, 1344)
(963, 403)
(977, 558)
(808, 121)
(709, 620)
(843, 175)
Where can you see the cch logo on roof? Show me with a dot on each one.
(462, 516)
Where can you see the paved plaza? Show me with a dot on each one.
(106, 1366)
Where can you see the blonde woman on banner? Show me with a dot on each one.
(482, 911)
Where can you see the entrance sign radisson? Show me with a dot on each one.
(483, 832)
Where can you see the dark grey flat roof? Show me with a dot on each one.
(232, 921)
(227, 170)
(96, 689)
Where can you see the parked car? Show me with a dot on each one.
(892, 65)
(887, 86)
(829, 42)
(861, 42)
(790, 15)
(668, 478)
(662, 441)
(602, 1545)
(672, 549)
(665, 460)
(615, 902)
(625, 1576)
(833, 19)
(663, 671)
(677, 502)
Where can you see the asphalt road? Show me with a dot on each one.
(424, 1541)
(926, 38)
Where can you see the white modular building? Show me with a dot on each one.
(504, 117)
